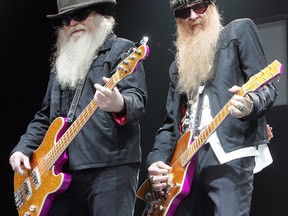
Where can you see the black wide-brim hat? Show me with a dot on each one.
(66, 7)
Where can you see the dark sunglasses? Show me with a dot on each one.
(77, 16)
(185, 12)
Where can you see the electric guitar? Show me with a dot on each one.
(34, 191)
(165, 203)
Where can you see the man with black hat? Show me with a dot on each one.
(104, 157)
(211, 62)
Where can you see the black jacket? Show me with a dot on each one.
(102, 141)
(240, 56)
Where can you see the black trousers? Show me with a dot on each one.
(219, 190)
(99, 192)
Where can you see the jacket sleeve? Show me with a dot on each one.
(253, 61)
(133, 87)
(166, 138)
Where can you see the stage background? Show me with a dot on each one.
(26, 41)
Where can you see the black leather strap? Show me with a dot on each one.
(75, 101)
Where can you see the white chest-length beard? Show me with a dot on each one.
(74, 56)
(195, 51)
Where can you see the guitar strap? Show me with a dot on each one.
(110, 58)
(74, 103)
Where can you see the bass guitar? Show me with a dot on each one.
(35, 190)
(165, 203)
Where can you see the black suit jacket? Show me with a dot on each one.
(240, 55)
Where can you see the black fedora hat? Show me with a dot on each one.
(66, 7)
(179, 3)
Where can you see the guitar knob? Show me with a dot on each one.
(177, 185)
(32, 208)
(161, 208)
(26, 214)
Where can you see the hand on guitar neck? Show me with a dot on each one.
(164, 193)
(110, 100)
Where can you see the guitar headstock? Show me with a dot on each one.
(129, 64)
(266, 75)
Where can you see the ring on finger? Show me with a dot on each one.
(151, 178)
(242, 108)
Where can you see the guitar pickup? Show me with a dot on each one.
(19, 198)
(36, 178)
(27, 189)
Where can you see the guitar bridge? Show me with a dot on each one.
(154, 202)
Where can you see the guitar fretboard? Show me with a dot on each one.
(255, 82)
(126, 67)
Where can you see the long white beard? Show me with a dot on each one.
(74, 56)
(195, 52)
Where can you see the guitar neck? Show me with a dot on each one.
(126, 67)
(255, 82)
(70, 134)
(205, 134)
(81, 120)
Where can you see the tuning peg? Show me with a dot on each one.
(144, 40)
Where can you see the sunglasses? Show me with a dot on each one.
(78, 16)
(185, 12)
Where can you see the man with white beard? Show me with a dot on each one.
(211, 63)
(104, 157)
